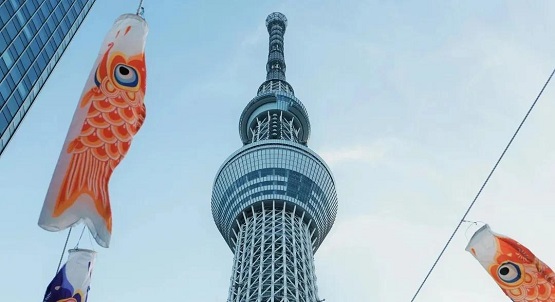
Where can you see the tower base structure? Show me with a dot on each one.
(273, 257)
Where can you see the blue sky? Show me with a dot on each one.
(410, 104)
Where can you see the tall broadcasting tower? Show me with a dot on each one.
(274, 200)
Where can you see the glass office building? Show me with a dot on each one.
(33, 36)
(274, 199)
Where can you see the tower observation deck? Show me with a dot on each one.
(274, 199)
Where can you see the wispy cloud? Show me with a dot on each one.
(391, 256)
(359, 153)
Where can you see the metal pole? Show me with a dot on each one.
(64, 250)
(139, 8)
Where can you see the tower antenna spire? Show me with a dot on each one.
(276, 23)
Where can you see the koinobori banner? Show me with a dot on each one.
(72, 282)
(519, 273)
(110, 112)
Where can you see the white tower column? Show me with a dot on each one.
(273, 258)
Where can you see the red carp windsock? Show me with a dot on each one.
(110, 112)
(519, 273)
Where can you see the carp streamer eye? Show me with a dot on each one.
(126, 75)
(509, 272)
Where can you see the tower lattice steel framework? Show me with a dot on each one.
(274, 199)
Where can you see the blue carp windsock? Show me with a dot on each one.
(72, 282)
(520, 274)
(110, 112)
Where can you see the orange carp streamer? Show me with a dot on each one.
(110, 113)
(519, 273)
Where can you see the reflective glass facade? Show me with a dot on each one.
(33, 36)
(274, 170)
